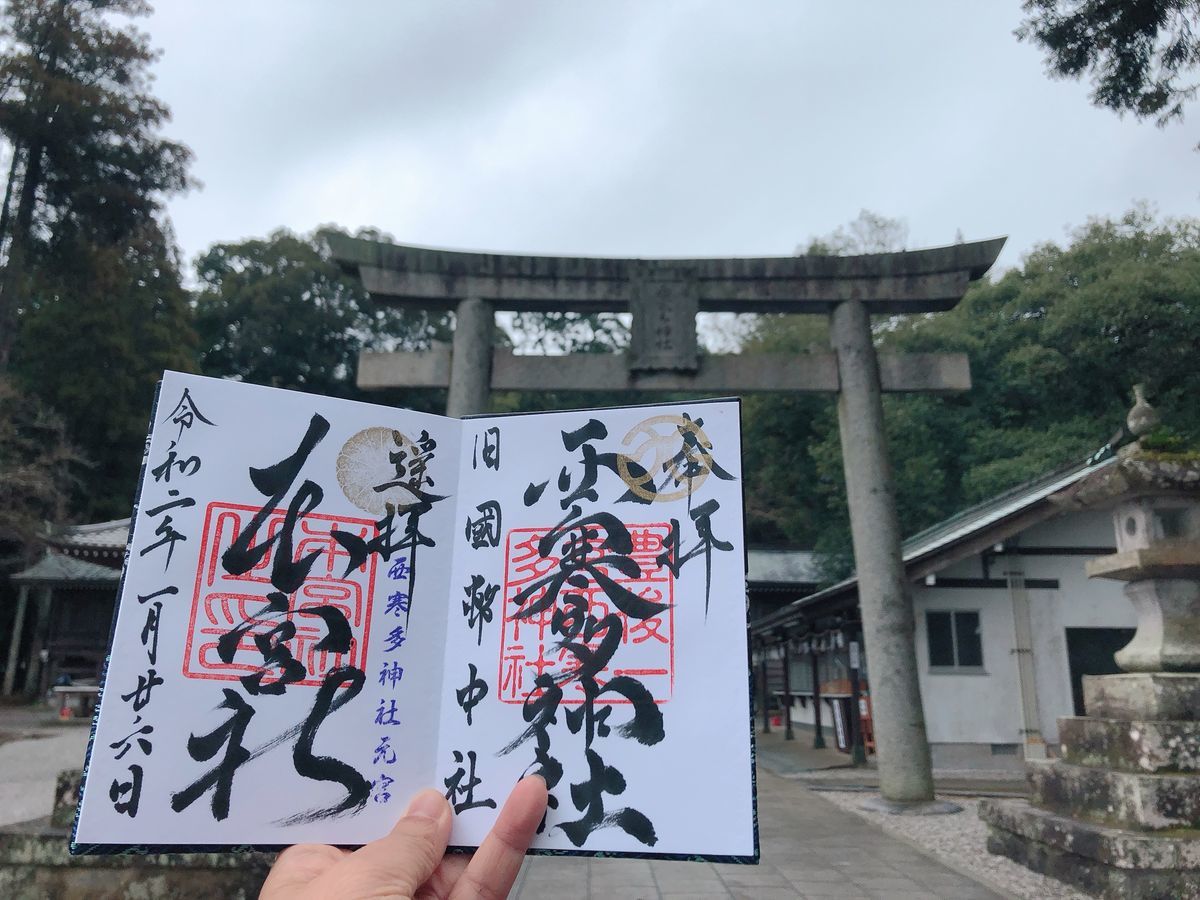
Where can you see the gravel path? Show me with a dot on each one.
(29, 768)
(960, 842)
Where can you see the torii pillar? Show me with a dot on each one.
(663, 296)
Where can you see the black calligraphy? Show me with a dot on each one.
(485, 531)
(478, 606)
(490, 456)
(474, 691)
(460, 787)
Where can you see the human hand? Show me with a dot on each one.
(410, 861)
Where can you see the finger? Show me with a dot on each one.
(398, 863)
(444, 877)
(298, 866)
(493, 869)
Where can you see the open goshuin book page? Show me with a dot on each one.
(328, 606)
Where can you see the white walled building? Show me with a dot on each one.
(1006, 624)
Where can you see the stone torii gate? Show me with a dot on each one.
(663, 297)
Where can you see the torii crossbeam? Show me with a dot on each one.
(663, 296)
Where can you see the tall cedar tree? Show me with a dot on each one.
(36, 465)
(91, 306)
(95, 345)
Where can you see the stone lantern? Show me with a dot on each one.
(1118, 815)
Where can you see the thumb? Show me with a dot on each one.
(397, 864)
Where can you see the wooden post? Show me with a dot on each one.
(14, 644)
(819, 734)
(1031, 731)
(788, 733)
(764, 667)
(858, 752)
(33, 675)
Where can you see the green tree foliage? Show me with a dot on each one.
(95, 345)
(36, 468)
(870, 232)
(278, 311)
(795, 492)
(87, 165)
(1055, 346)
(781, 471)
(567, 332)
(91, 304)
(1140, 55)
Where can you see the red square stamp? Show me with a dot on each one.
(528, 647)
(221, 601)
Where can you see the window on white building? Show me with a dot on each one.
(955, 643)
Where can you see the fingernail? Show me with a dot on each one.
(428, 804)
(538, 775)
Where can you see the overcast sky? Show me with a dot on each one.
(642, 128)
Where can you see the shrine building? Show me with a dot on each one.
(1007, 623)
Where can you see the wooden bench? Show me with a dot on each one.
(75, 699)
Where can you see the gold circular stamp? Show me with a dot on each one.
(381, 471)
(681, 451)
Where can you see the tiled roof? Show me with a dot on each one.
(975, 518)
(781, 566)
(60, 568)
(959, 527)
(97, 536)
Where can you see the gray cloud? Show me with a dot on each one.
(625, 128)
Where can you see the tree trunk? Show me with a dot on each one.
(13, 280)
(6, 208)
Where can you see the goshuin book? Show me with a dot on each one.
(329, 605)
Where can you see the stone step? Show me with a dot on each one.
(1101, 860)
(1130, 745)
(1121, 799)
(35, 863)
(1145, 696)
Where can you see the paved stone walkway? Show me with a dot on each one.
(797, 757)
(31, 756)
(828, 768)
(810, 848)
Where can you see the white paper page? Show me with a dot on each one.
(690, 784)
(197, 498)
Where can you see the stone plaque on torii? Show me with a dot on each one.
(663, 297)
